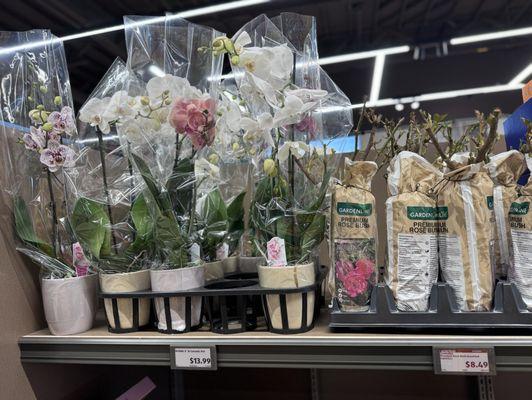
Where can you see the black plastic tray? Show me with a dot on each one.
(231, 305)
(509, 311)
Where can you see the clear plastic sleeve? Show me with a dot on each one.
(170, 138)
(37, 131)
(291, 118)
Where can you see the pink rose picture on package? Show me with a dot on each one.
(355, 272)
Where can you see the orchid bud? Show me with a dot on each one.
(58, 100)
(213, 158)
(47, 127)
(218, 44)
(166, 93)
(235, 59)
(269, 167)
(236, 146)
(40, 107)
(43, 89)
(30, 98)
(145, 101)
(229, 46)
(168, 102)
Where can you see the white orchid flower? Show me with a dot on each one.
(132, 131)
(241, 41)
(119, 107)
(271, 64)
(203, 168)
(292, 112)
(256, 129)
(263, 89)
(175, 85)
(297, 149)
(93, 112)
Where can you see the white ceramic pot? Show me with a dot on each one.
(213, 271)
(70, 304)
(122, 283)
(287, 277)
(171, 280)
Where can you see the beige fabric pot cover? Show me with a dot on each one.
(250, 265)
(504, 169)
(230, 265)
(122, 283)
(213, 271)
(70, 304)
(287, 277)
(170, 280)
(520, 218)
(467, 236)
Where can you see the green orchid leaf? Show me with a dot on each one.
(215, 219)
(49, 263)
(24, 227)
(180, 185)
(235, 221)
(144, 224)
(169, 238)
(313, 235)
(162, 198)
(91, 225)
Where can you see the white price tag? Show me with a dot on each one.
(464, 361)
(193, 358)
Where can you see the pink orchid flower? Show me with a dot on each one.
(195, 119)
(57, 155)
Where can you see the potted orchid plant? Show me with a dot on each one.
(38, 127)
(286, 96)
(110, 214)
(173, 130)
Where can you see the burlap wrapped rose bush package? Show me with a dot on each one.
(354, 236)
(413, 221)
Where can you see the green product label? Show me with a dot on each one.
(354, 209)
(427, 213)
(489, 200)
(519, 208)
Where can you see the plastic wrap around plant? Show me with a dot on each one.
(288, 115)
(170, 136)
(38, 127)
(109, 214)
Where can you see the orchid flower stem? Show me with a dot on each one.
(304, 170)
(106, 187)
(55, 233)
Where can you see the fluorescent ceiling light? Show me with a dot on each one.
(521, 76)
(439, 95)
(362, 55)
(184, 14)
(155, 70)
(491, 36)
(378, 69)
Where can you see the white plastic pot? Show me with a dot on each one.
(175, 280)
(287, 277)
(70, 304)
(123, 283)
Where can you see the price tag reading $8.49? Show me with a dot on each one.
(194, 358)
(465, 361)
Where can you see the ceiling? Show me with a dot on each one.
(343, 26)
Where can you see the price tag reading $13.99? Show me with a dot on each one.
(465, 361)
(194, 358)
